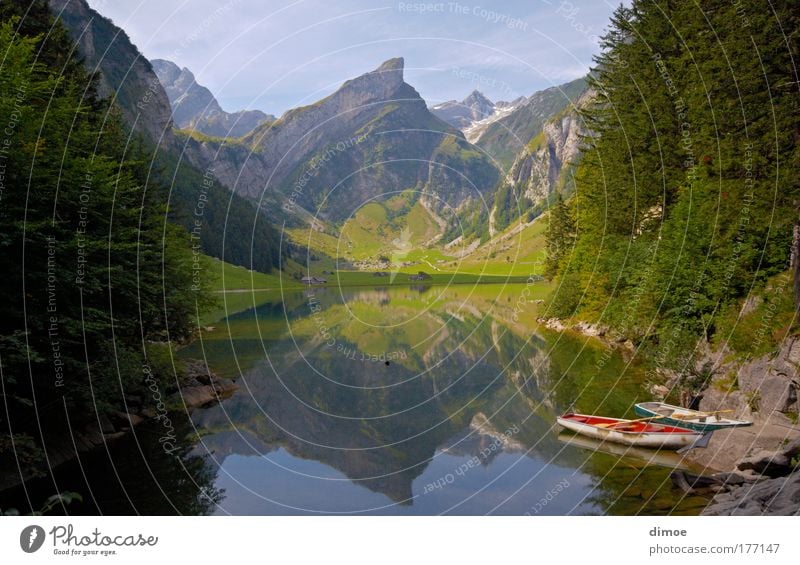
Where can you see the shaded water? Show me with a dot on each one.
(392, 401)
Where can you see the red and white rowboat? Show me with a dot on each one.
(629, 432)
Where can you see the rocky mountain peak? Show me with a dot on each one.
(167, 70)
(195, 107)
(394, 64)
(464, 114)
(381, 84)
(476, 97)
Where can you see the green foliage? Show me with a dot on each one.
(560, 237)
(566, 297)
(755, 331)
(92, 271)
(685, 192)
(231, 228)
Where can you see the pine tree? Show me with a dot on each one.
(685, 192)
(560, 236)
(93, 273)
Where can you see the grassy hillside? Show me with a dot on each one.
(392, 229)
(407, 236)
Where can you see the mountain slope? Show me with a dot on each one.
(194, 107)
(125, 74)
(226, 226)
(544, 167)
(475, 130)
(372, 138)
(462, 115)
(505, 138)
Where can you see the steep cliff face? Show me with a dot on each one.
(372, 138)
(508, 136)
(195, 108)
(231, 227)
(125, 74)
(538, 170)
(541, 168)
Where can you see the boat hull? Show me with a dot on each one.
(690, 419)
(638, 457)
(647, 435)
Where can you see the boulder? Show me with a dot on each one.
(204, 378)
(659, 391)
(195, 396)
(792, 449)
(126, 419)
(105, 424)
(793, 351)
(225, 386)
(770, 463)
(777, 497)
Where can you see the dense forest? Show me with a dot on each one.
(95, 280)
(687, 192)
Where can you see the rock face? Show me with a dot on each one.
(124, 73)
(195, 108)
(763, 389)
(466, 113)
(776, 497)
(507, 137)
(129, 78)
(537, 171)
(372, 138)
(543, 167)
(779, 495)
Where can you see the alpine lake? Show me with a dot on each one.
(418, 400)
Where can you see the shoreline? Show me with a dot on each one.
(199, 387)
(751, 470)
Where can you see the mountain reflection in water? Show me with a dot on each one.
(397, 401)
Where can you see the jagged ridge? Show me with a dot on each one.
(194, 107)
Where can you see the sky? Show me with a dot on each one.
(273, 56)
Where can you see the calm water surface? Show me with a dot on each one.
(391, 401)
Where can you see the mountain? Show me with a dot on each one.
(462, 115)
(475, 130)
(543, 167)
(194, 107)
(370, 140)
(226, 226)
(125, 75)
(506, 137)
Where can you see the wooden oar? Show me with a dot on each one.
(698, 414)
(627, 422)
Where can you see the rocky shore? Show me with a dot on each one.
(752, 470)
(766, 454)
(197, 387)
